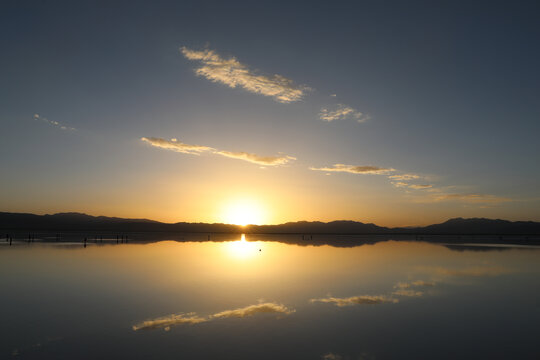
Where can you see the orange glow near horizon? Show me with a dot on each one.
(243, 212)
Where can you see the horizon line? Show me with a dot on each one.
(252, 225)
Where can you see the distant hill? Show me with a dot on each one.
(317, 227)
(481, 226)
(83, 222)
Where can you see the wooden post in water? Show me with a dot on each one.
(84, 242)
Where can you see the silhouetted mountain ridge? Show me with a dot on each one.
(483, 226)
(72, 221)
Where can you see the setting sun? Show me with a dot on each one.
(243, 212)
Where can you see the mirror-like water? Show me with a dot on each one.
(249, 299)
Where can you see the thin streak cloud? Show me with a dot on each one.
(256, 159)
(404, 177)
(408, 292)
(342, 112)
(471, 198)
(53, 123)
(439, 194)
(420, 186)
(402, 285)
(434, 193)
(401, 184)
(235, 74)
(417, 283)
(356, 300)
(355, 169)
(406, 289)
(175, 145)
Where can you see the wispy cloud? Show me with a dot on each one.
(418, 283)
(342, 112)
(470, 198)
(53, 123)
(402, 184)
(420, 186)
(404, 177)
(441, 193)
(402, 285)
(256, 159)
(355, 169)
(431, 193)
(356, 300)
(192, 318)
(175, 145)
(408, 292)
(235, 74)
(407, 289)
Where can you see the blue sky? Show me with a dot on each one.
(445, 91)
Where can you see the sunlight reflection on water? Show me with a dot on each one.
(242, 248)
(231, 299)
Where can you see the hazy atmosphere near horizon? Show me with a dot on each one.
(391, 112)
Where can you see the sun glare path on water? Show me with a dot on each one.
(242, 248)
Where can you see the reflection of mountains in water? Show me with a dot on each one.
(480, 247)
(71, 226)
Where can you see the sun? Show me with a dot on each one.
(243, 212)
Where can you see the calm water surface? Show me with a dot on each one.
(251, 299)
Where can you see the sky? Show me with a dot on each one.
(391, 112)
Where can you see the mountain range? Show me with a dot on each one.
(83, 222)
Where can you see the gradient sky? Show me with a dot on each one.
(392, 112)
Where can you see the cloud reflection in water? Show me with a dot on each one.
(356, 300)
(192, 318)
